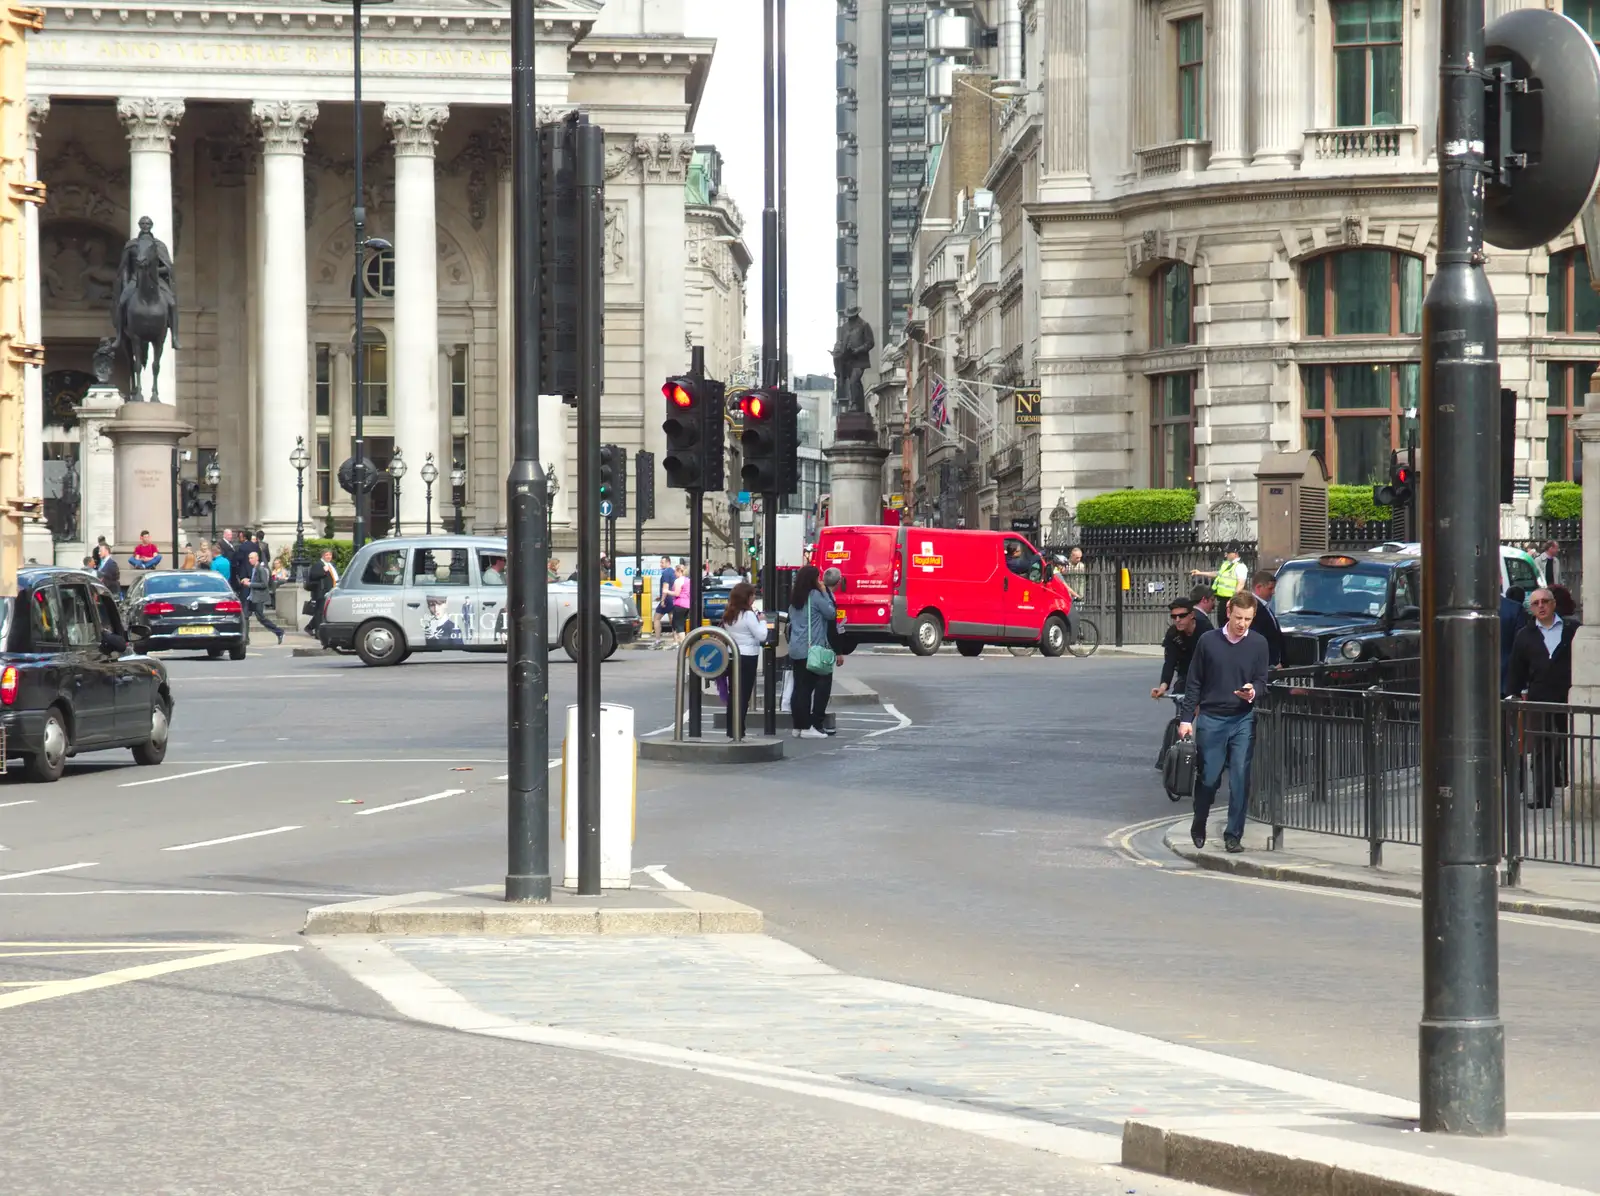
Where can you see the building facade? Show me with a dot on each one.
(1204, 235)
(232, 129)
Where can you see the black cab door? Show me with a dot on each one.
(89, 675)
(133, 677)
(1405, 616)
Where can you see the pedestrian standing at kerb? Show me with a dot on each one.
(1229, 577)
(1228, 673)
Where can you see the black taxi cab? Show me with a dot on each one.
(68, 682)
(1351, 606)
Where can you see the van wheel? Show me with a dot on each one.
(1053, 642)
(380, 643)
(927, 635)
(969, 647)
(608, 641)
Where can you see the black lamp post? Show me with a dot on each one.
(397, 470)
(430, 475)
(552, 487)
(213, 480)
(363, 244)
(299, 458)
(458, 494)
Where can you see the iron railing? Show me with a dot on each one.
(1345, 761)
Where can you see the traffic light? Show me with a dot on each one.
(1401, 489)
(644, 479)
(613, 481)
(770, 441)
(558, 259)
(758, 441)
(694, 431)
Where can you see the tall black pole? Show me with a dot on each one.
(697, 503)
(781, 117)
(358, 444)
(770, 365)
(1462, 1039)
(177, 489)
(589, 151)
(527, 656)
(639, 466)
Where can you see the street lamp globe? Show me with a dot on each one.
(299, 458)
(552, 484)
(397, 467)
(213, 475)
(430, 471)
(458, 474)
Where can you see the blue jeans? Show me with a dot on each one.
(1224, 741)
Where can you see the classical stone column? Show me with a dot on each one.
(36, 542)
(341, 425)
(1226, 83)
(285, 352)
(1583, 800)
(1279, 85)
(415, 128)
(1066, 121)
(150, 125)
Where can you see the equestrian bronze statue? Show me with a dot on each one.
(146, 310)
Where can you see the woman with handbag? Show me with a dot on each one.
(749, 632)
(681, 594)
(811, 614)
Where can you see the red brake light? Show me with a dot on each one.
(228, 606)
(8, 686)
(159, 608)
(677, 395)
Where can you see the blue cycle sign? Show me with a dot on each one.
(709, 658)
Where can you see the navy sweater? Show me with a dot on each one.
(1220, 667)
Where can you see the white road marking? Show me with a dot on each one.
(184, 893)
(61, 988)
(659, 873)
(415, 801)
(661, 730)
(44, 871)
(368, 760)
(277, 830)
(550, 763)
(200, 772)
(903, 724)
(25, 802)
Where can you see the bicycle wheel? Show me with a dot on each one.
(1085, 640)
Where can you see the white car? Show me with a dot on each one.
(448, 593)
(1517, 568)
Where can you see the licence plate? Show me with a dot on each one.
(197, 629)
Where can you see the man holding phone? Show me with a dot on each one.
(1228, 673)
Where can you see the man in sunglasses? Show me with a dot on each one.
(1186, 623)
(1541, 671)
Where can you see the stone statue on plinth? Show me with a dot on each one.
(145, 310)
(852, 358)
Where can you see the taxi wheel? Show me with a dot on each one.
(380, 643)
(154, 749)
(50, 761)
(927, 635)
(969, 647)
(1054, 640)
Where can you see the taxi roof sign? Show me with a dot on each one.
(1336, 561)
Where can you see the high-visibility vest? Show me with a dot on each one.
(1231, 576)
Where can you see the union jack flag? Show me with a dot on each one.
(938, 409)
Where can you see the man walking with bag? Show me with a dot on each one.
(257, 583)
(1227, 675)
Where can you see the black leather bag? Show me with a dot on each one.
(1168, 738)
(1180, 768)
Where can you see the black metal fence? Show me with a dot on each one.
(1137, 613)
(1345, 761)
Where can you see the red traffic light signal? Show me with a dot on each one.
(677, 394)
(1402, 475)
(755, 405)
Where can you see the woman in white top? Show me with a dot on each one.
(749, 633)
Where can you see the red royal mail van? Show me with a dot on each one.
(921, 586)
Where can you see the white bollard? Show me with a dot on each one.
(619, 768)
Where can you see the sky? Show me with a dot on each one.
(730, 119)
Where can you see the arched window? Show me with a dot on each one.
(1363, 292)
(1171, 306)
(1574, 306)
(375, 373)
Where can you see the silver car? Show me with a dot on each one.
(448, 594)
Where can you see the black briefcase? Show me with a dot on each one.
(1179, 769)
(1168, 738)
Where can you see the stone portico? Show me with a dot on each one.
(232, 129)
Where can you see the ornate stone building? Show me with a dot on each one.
(1206, 231)
(231, 126)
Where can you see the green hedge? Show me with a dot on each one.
(1562, 500)
(1132, 508)
(1355, 502)
(343, 550)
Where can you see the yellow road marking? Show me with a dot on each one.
(94, 951)
(139, 944)
(61, 988)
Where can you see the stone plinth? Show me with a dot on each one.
(97, 468)
(855, 479)
(144, 435)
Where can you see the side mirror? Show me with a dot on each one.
(1407, 613)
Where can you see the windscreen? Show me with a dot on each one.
(1359, 591)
